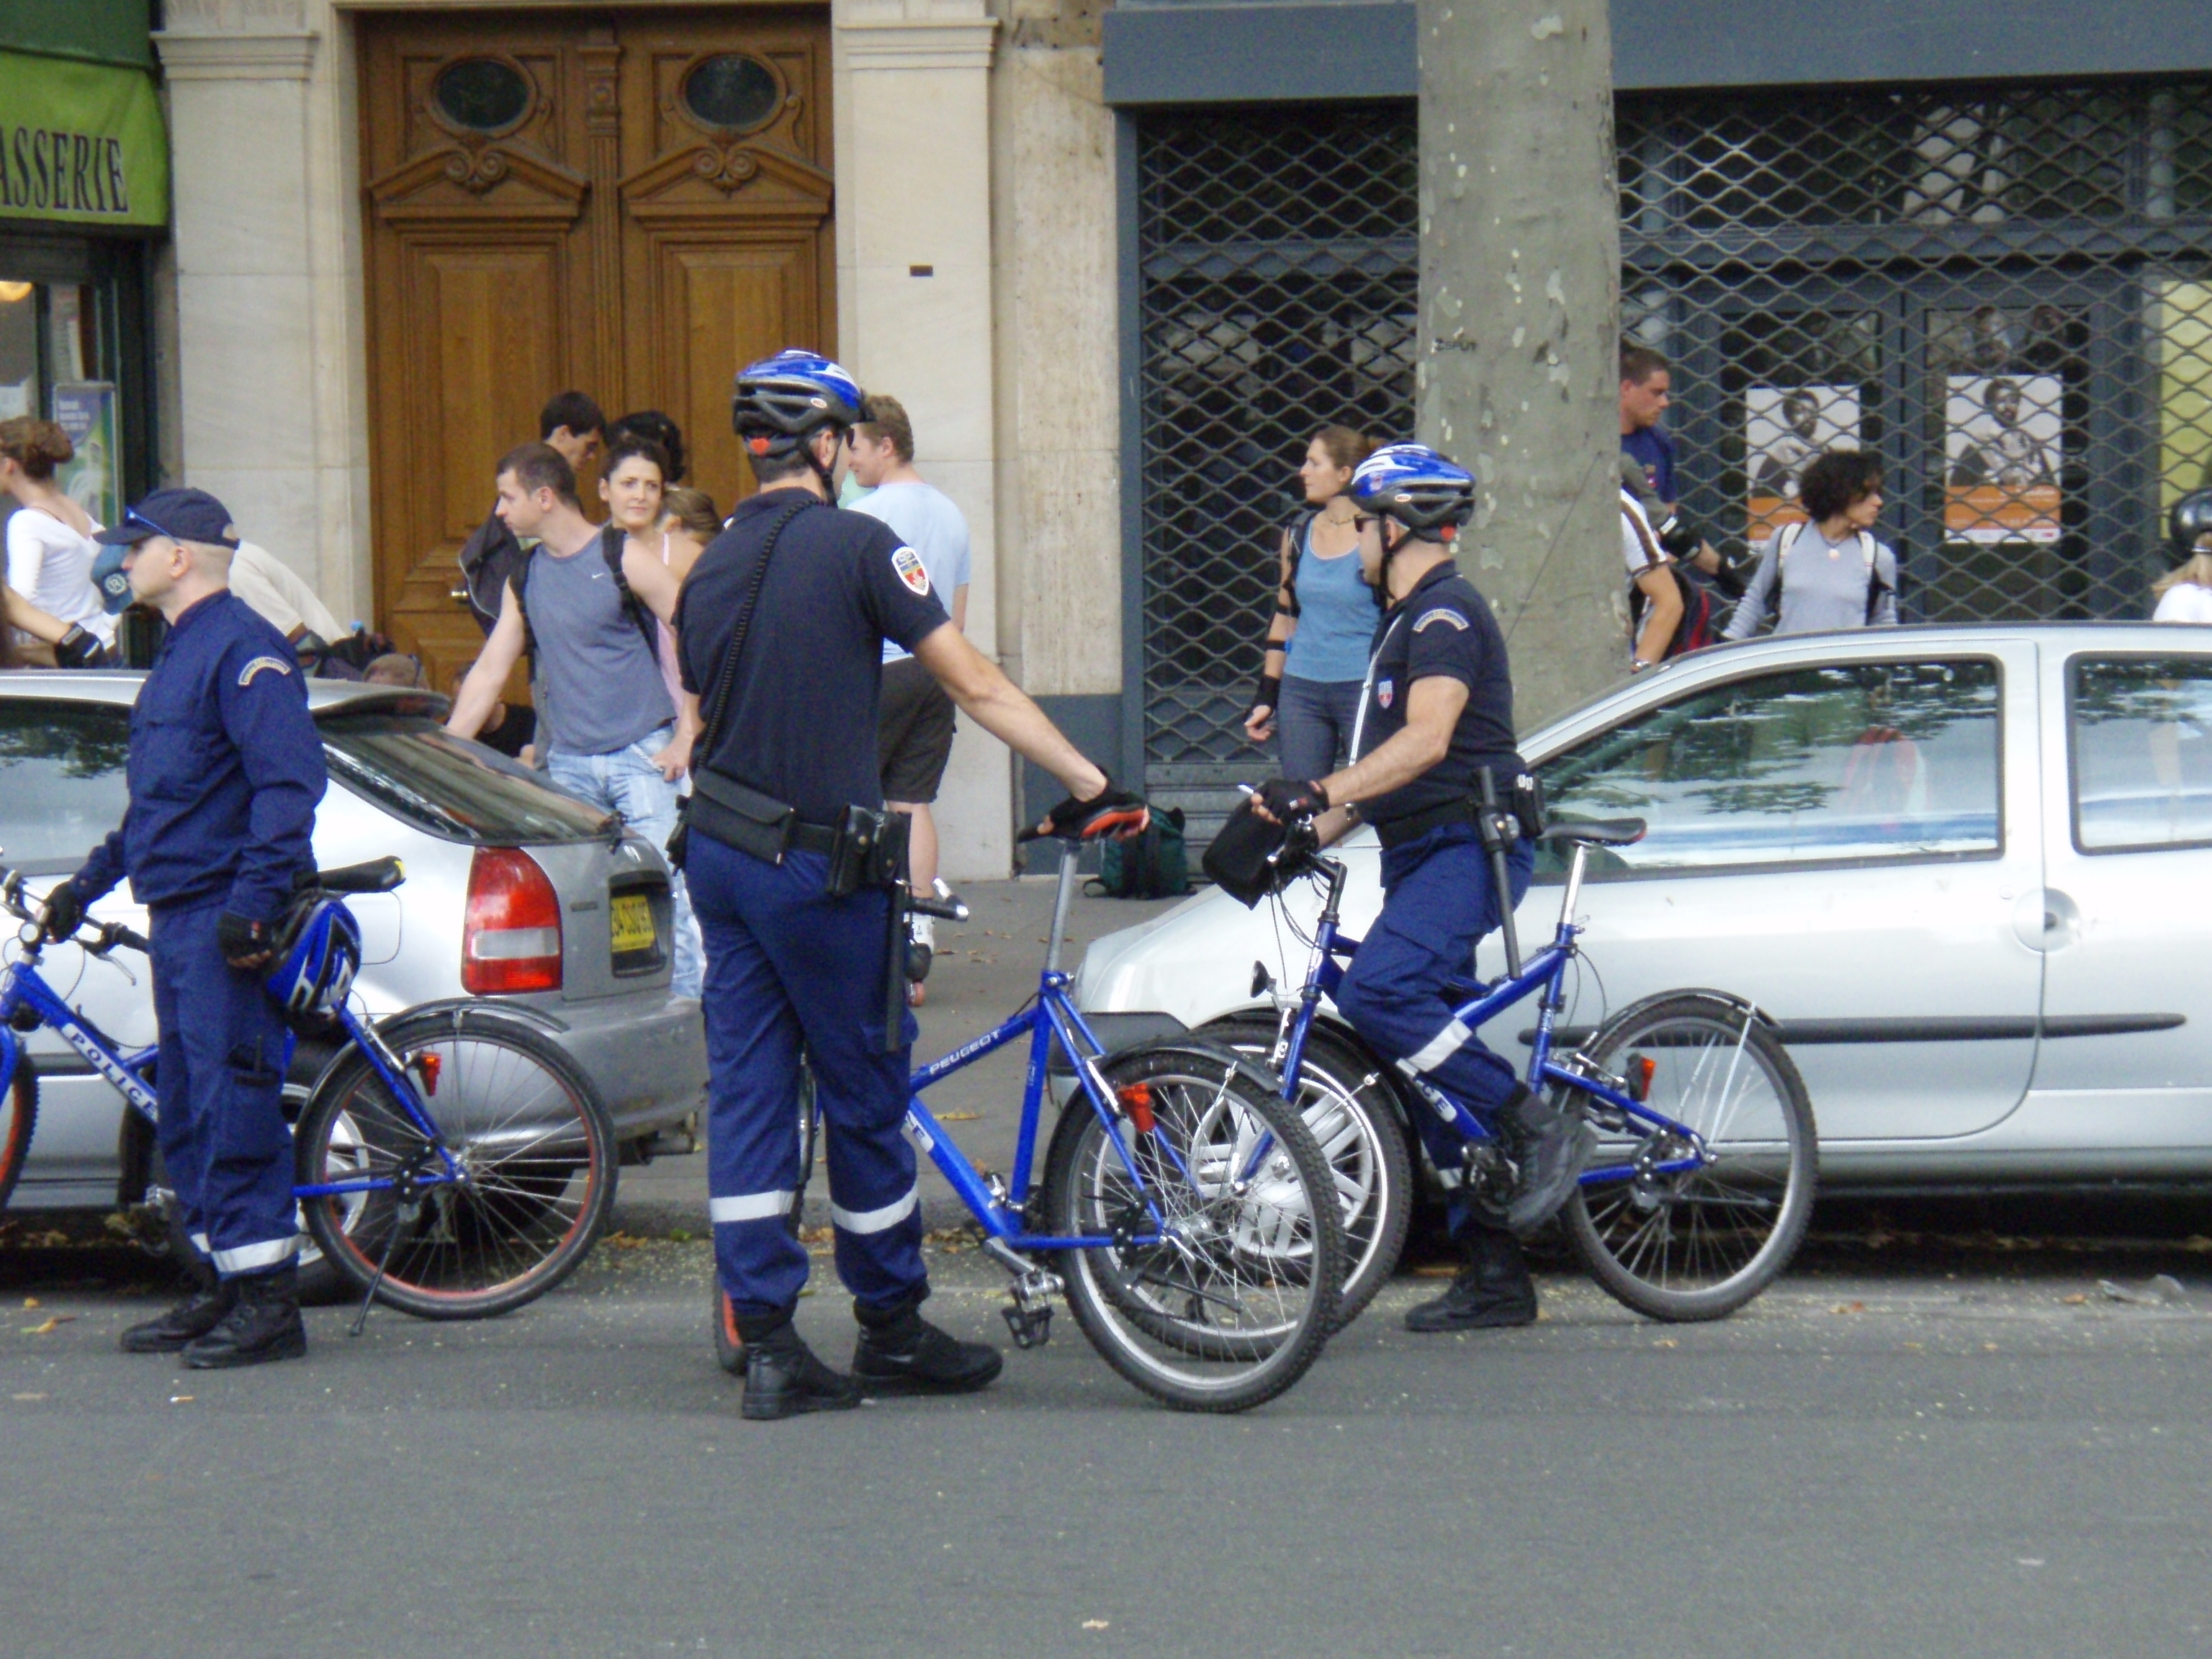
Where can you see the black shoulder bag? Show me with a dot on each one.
(726, 678)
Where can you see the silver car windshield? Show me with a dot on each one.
(416, 770)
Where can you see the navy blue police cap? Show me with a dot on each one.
(182, 515)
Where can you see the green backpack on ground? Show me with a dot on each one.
(1152, 866)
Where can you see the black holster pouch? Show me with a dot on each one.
(869, 851)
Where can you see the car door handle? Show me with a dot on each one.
(2046, 919)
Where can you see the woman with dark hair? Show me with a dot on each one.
(657, 428)
(1317, 641)
(51, 551)
(1829, 573)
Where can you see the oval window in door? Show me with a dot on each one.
(732, 93)
(482, 94)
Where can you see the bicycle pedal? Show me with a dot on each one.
(1031, 1326)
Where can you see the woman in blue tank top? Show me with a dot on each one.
(1324, 620)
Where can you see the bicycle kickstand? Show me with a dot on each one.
(1029, 1320)
(411, 1209)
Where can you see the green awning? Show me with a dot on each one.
(80, 144)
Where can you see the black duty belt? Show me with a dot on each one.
(759, 825)
(1398, 831)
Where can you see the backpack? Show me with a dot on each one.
(1701, 623)
(1153, 864)
(489, 557)
(1875, 587)
(610, 550)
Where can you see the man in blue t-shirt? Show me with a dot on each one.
(1646, 382)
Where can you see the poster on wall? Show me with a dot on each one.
(2001, 458)
(1785, 429)
(86, 410)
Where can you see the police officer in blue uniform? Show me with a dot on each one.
(1437, 710)
(225, 773)
(781, 623)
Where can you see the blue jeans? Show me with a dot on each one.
(1313, 725)
(627, 781)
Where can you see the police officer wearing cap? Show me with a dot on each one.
(1437, 710)
(783, 622)
(225, 773)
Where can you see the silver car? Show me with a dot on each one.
(513, 890)
(1969, 870)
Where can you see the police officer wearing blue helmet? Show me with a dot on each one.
(225, 772)
(782, 626)
(1438, 709)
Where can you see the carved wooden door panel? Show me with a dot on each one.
(632, 205)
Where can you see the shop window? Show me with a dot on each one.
(50, 358)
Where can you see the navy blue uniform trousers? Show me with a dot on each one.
(788, 964)
(1438, 901)
(221, 1079)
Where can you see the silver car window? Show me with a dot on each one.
(62, 786)
(1842, 763)
(2141, 729)
(416, 770)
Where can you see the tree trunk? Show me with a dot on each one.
(1520, 322)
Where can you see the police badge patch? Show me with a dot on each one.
(259, 665)
(1385, 690)
(907, 564)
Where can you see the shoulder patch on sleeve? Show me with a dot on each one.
(261, 664)
(1443, 613)
(907, 564)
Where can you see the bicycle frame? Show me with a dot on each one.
(1544, 973)
(22, 987)
(998, 1207)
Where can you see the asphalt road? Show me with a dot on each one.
(1942, 1436)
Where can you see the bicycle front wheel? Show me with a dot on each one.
(18, 1117)
(1236, 1300)
(534, 1148)
(1696, 1242)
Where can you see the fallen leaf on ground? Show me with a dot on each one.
(1664, 1342)
(1097, 1624)
(957, 1117)
(27, 1396)
(180, 1400)
(1849, 1308)
(2074, 1300)
(50, 1322)
(30, 1302)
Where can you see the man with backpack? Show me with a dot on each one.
(571, 423)
(583, 606)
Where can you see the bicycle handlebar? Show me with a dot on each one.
(950, 910)
(97, 938)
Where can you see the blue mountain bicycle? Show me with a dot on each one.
(451, 1161)
(1699, 1186)
(1177, 1212)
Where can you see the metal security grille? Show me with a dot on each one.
(1276, 296)
(2006, 292)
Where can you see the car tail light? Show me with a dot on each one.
(512, 939)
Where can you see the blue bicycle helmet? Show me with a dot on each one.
(112, 581)
(782, 400)
(1414, 485)
(317, 957)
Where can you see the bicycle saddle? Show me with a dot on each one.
(1598, 832)
(377, 876)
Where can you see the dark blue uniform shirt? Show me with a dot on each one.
(1654, 451)
(801, 723)
(1442, 627)
(225, 770)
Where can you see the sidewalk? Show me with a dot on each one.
(985, 968)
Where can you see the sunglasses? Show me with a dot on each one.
(133, 515)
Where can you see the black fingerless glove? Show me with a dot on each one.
(242, 941)
(1286, 799)
(1269, 693)
(79, 649)
(64, 912)
(1076, 820)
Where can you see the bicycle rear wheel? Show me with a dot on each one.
(1231, 1308)
(19, 1118)
(1346, 1103)
(1700, 1243)
(523, 1125)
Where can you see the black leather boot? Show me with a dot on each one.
(901, 1352)
(1550, 1142)
(1492, 1291)
(192, 1318)
(782, 1376)
(265, 1325)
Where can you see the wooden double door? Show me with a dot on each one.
(632, 203)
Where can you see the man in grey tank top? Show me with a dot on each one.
(607, 731)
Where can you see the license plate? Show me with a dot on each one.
(633, 924)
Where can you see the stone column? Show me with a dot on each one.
(271, 404)
(912, 136)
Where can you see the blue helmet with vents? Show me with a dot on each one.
(1414, 485)
(317, 957)
(780, 401)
